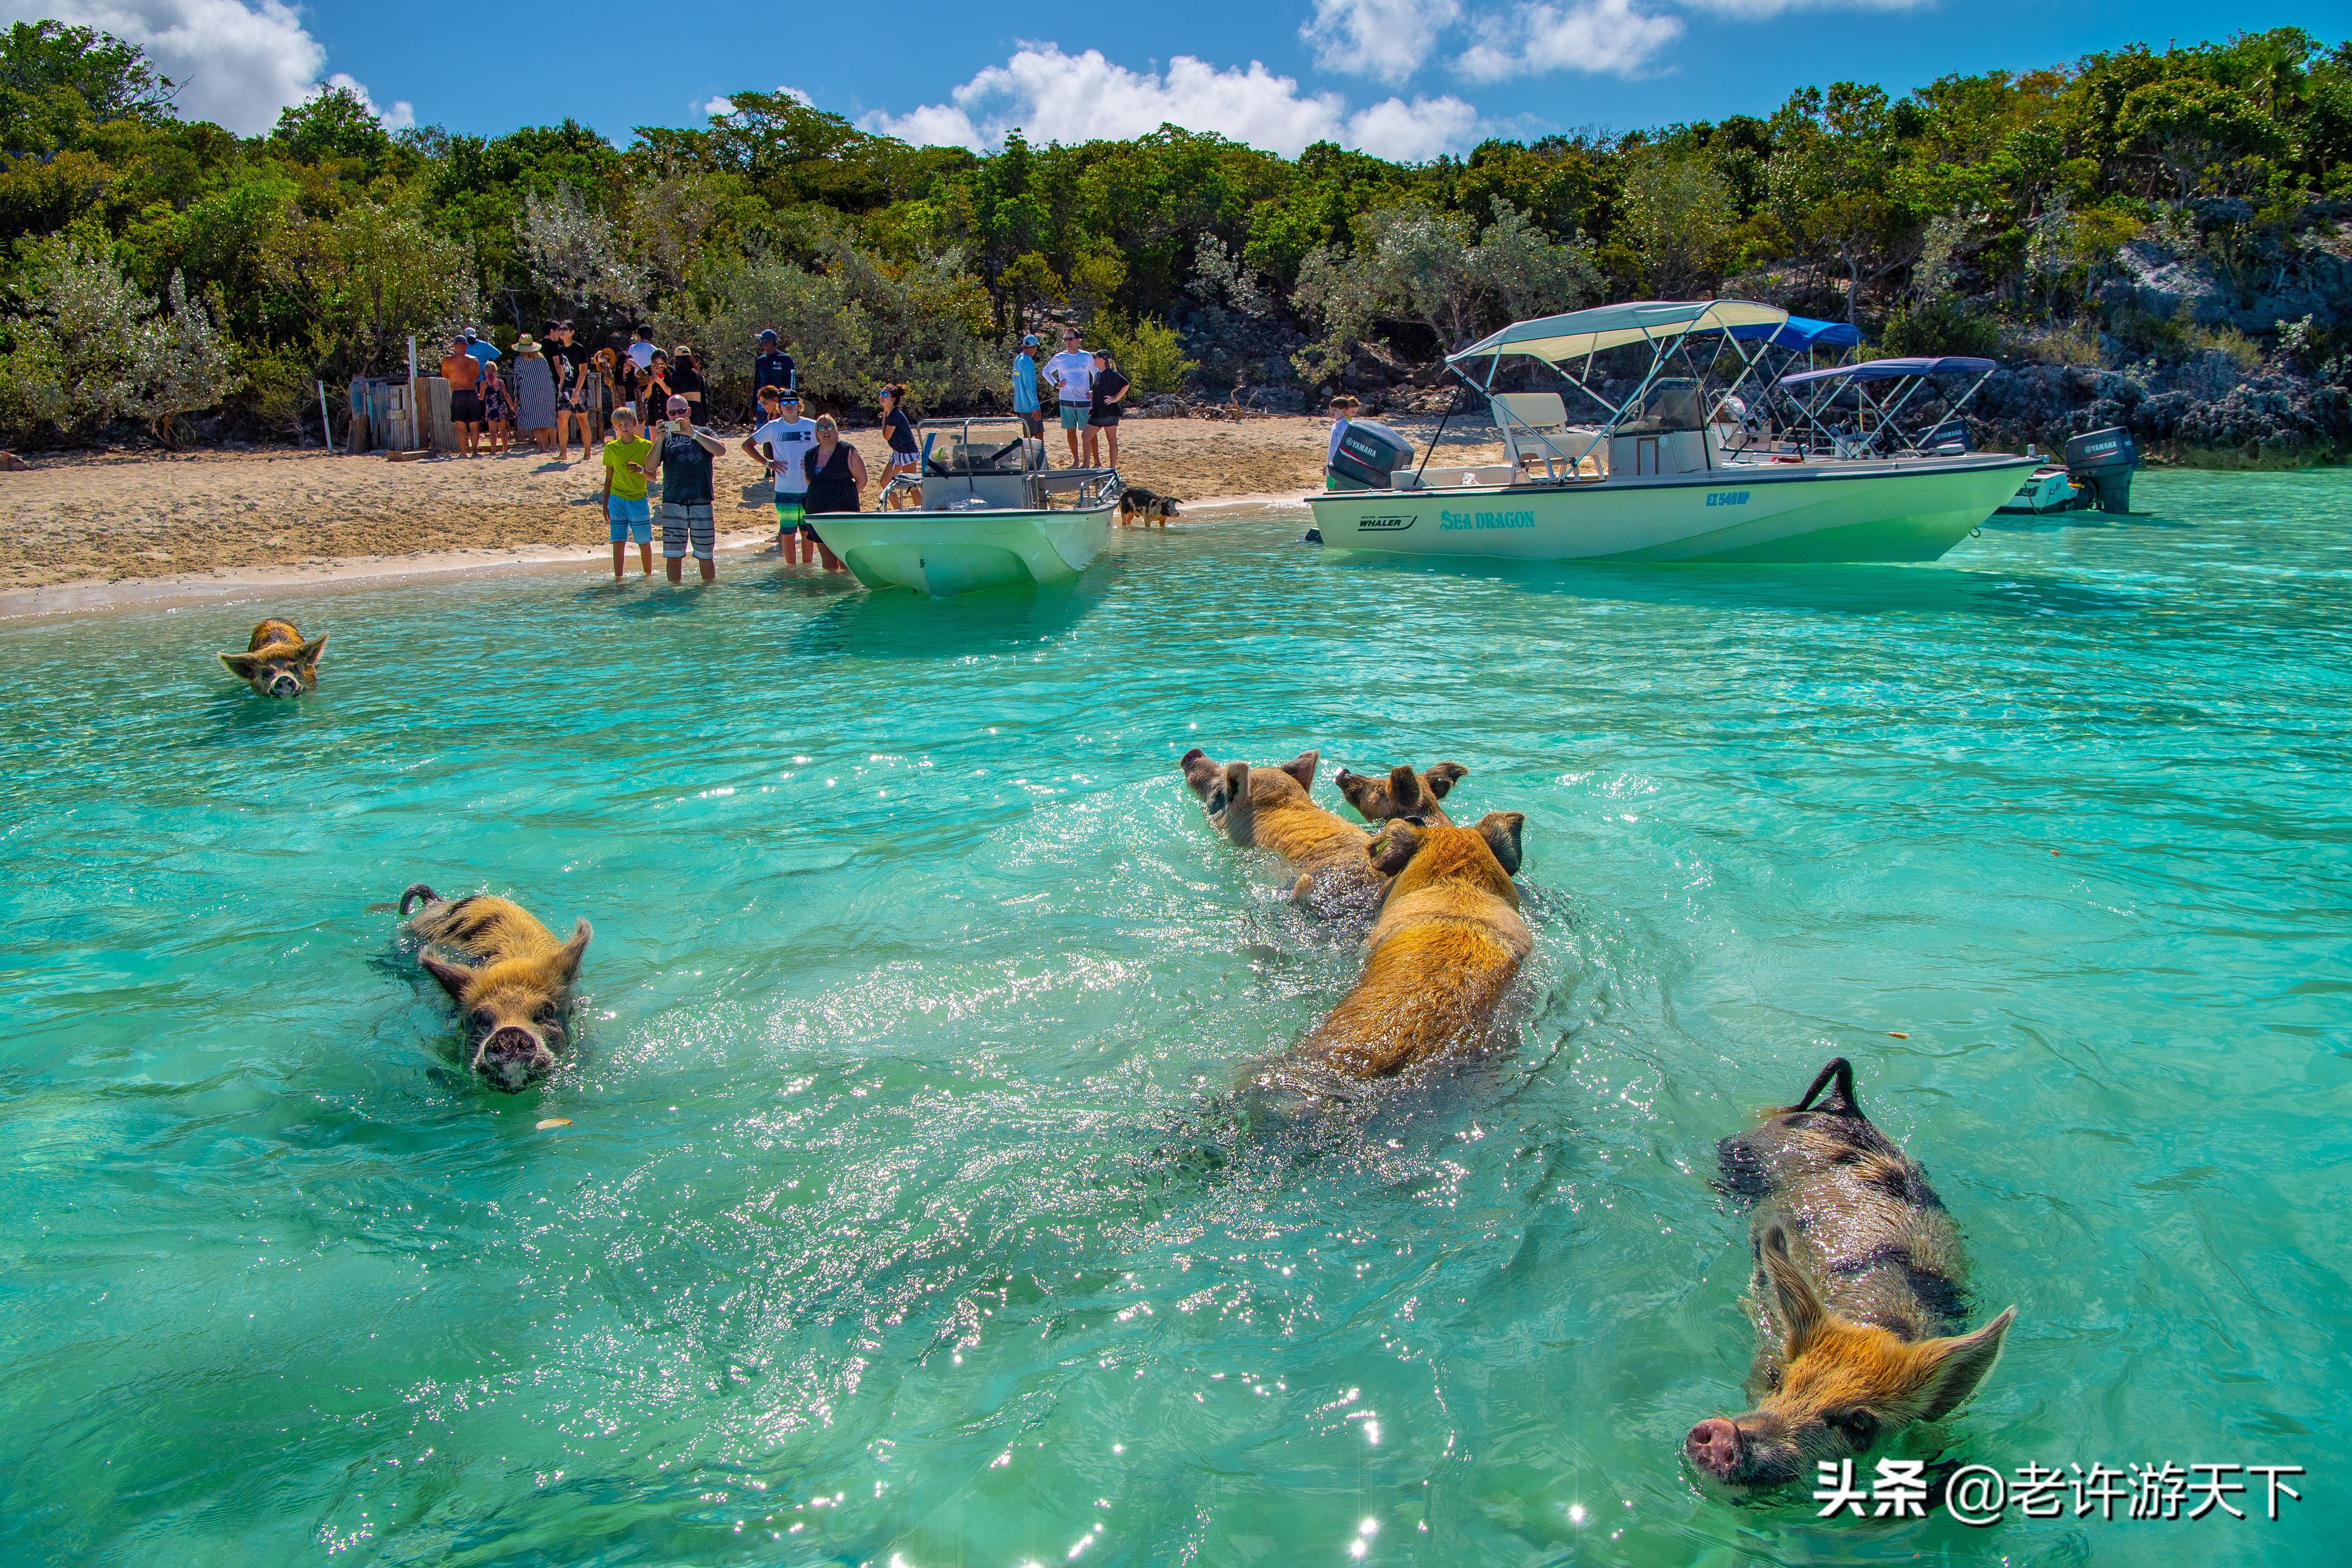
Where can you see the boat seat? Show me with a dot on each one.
(1537, 436)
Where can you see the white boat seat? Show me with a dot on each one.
(1535, 430)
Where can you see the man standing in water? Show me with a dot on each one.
(1072, 373)
(683, 460)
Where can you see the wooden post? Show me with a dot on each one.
(326, 426)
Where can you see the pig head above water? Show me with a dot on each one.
(1857, 1294)
(1447, 944)
(277, 661)
(1402, 794)
(515, 995)
(1270, 808)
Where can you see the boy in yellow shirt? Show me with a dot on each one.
(625, 505)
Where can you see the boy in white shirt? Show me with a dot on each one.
(781, 442)
(1071, 374)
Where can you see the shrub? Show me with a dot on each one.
(1941, 327)
(1150, 352)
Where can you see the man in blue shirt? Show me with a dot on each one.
(1025, 386)
(481, 348)
(771, 366)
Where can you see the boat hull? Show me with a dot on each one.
(1863, 512)
(944, 554)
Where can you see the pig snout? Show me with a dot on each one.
(1714, 1447)
(513, 1058)
(282, 683)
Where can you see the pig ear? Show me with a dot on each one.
(1500, 829)
(239, 665)
(1302, 768)
(1800, 1308)
(308, 653)
(1962, 1363)
(1236, 780)
(1393, 850)
(453, 978)
(1440, 779)
(567, 961)
(1405, 792)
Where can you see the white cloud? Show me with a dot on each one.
(399, 117)
(1387, 40)
(1054, 97)
(1596, 36)
(238, 63)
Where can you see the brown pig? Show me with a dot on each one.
(1857, 1295)
(1447, 942)
(514, 994)
(277, 661)
(1403, 794)
(1269, 808)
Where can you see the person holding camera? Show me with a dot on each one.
(682, 460)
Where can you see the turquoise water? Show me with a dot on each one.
(902, 1215)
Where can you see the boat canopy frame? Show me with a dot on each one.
(1874, 417)
(1665, 326)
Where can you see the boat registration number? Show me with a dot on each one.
(1727, 498)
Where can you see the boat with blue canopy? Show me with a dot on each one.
(1669, 471)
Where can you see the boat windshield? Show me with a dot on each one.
(1672, 403)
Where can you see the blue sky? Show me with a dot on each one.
(1402, 77)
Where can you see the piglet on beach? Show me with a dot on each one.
(276, 660)
(1857, 1294)
(514, 995)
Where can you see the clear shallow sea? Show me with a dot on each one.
(902, 1215)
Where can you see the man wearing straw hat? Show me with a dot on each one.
(682, 459)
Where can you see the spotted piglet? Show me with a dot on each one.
(1857, 1295)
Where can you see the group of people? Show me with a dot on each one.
(656, 402)
(1088, 386)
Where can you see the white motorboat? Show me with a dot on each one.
(989, 512)
(1670, 473)
(2096, 472)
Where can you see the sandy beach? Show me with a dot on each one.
(98, 530)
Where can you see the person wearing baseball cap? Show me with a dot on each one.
(1025, 386)
(682, 459)
(771, 366)
(782, 439)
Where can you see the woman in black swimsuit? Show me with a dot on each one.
(836, 475)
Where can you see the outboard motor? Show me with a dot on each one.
(1370, 454)
(1951, 435)
(2101, 462)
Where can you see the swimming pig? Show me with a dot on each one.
(514, 995)
(1402, 794)
(1856, 1294)
(1269, 808)
(276, 662)
(1448, 941)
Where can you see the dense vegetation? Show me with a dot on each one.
(160, 268)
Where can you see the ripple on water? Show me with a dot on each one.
(905, 1207)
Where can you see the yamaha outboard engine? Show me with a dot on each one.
(1370, 454)
(2101, 462)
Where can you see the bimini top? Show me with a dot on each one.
(1581, 332)
(1889, 369)
(1803, 332)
